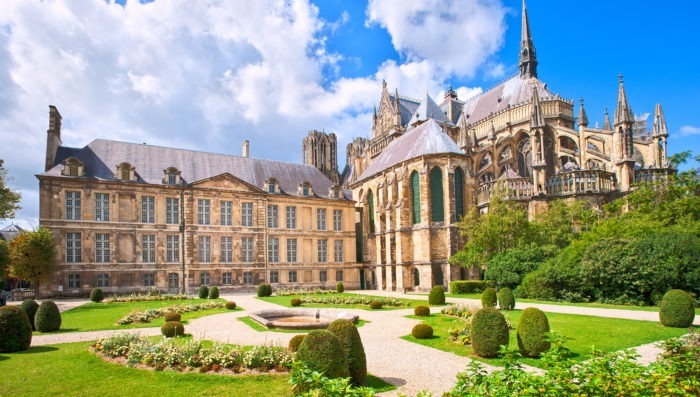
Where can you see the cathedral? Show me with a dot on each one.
(131, 217)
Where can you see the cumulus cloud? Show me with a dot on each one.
(688, 130)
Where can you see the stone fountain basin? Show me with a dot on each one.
(299, 318)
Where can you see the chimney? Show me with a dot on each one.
(246, 148)
(53, 137)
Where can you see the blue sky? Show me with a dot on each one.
(207, 75)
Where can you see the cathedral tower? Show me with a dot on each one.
(320, 150)
(528, 56)
(53, 137)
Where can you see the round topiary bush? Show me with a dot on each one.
(506, 299)
(214, 292)
(375, 305)
(296, 302)
(47, 318)
(231, 305)
(422, 331)
(295, 342)
(489, 331)
(339, 288)
(489, 298)
(676, 309)
(532, 333)
(172, 329)
(96, 295)
(437, 296)
(203, 292)
(30, 307)
(422, 311)
(349, 337)
(15, 330)
(322, 351)
(172, 316)
(264, 290)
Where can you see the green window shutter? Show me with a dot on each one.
(415, 190)
(436, 197)
(459, 194)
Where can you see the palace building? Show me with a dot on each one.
(130, 217)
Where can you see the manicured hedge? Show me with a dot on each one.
(468, 286)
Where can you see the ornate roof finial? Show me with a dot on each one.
(528, 57)
(659, 128)
(536, 119)
(606, 121)
(582, 118)
(623, 112)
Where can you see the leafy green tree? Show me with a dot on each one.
(4, 259)
(32, 256)
(9, 199)
(508, 268)
(564, 221)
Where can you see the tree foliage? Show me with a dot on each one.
(9, 199)
(507, 269)
(4, 259)
(32, 256)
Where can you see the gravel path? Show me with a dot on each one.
(409, 366)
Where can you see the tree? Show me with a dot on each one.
(564, 221)
(32, 256)
(9, 199)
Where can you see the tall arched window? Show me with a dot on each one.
(370, 207)
(459, 194)
(415, 194)
(437, 199)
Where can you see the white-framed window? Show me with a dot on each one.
(73, 206)
(247, 214)
(172, 210)
(73, 248)
(322, 250)
(103, 280)
(291, 217)
(338, 275)
(148, 209)
(74, 281)
(204, 278)
(204, 248)
(291, 250)
(321, 218)
(101, 247)
(323, 276)
(272, 222)
(226, 249)
(102, 207)
(292, 276)
(172, 248)
(226, 213)
(246, 249)
(149, 280)
(203, 212)
(338, 220)
(247, 277)
(338, 250)
(226, 278)
(274, 277)
(273, 249)
(148, 248)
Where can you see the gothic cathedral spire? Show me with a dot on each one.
(528, 57)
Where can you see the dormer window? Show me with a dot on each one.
(126, 172)
(271, 186)
(171, 176)
(334, 192)
(73, 167)
(305, 189)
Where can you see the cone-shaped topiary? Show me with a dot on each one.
(339, 288)
(264, 290)
(489, 298)
(489, 332)
(676, 309)
(295, 342)
(214, 292)
(532, 333)
(422, 331)
(231, 305)
(506, 299)
(30, 307)
(322, 351)
(47, 318)
(437, 296)
(421, 311)
(172, 316)
(349, 337)
(96, 295)
(15, 330)
(203, 292)
(172, 329)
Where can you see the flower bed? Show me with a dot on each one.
(303, 291)
(146, 316)
(350, 300)
(136, 350)
(146, 298)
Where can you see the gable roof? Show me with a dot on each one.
(427, 138)
(407, 107)
(427, 109)
(100, 159)
(10, 232)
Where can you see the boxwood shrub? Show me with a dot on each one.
(295, 342)
(532, 333)
(489, 298)
(203, 292)
(96, 295)
(264, 290)
(375, 305)
(422, 331)
(15, 330)
(437, 296)
(322, 351)
(214, 292)
(172, 316)
(47, 318)
(489, 331)
(347, 333)
(30, 307)
(468, 286)
(506, 299)
(172, 329)
(676, 309)
(421, 311)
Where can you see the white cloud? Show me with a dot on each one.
(688, 130)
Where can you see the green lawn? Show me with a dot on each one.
(582, 332)
(102, 316)
(261, 328)
(286, 301)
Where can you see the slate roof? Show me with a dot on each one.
(407, 107)
(10, 232)
(427, 138)
(427, 109)
(100, 159)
